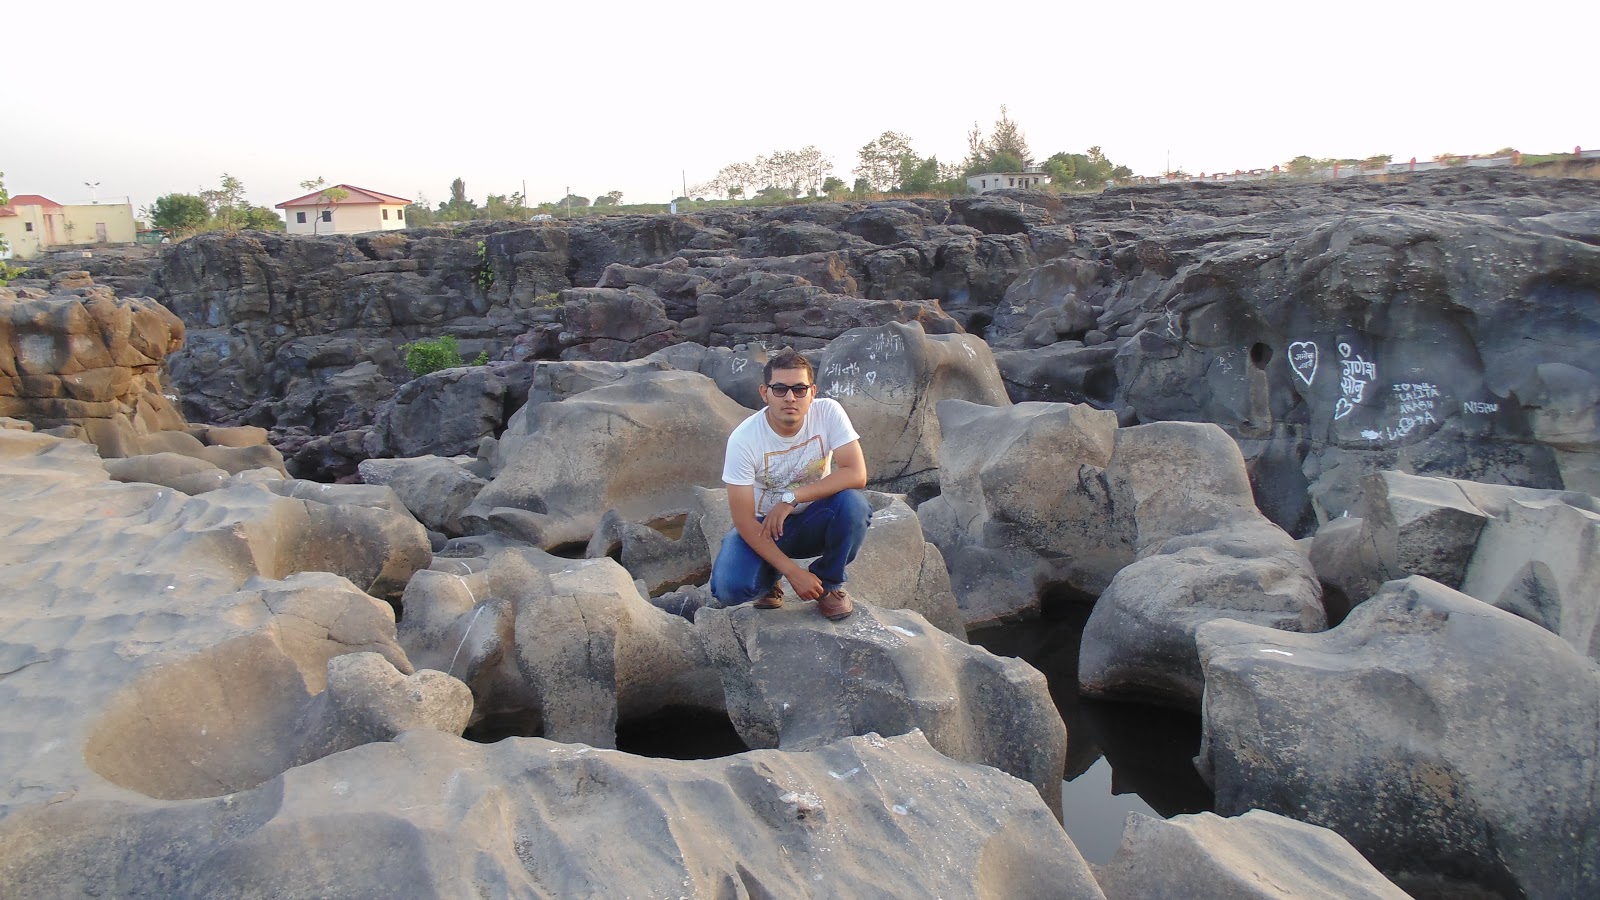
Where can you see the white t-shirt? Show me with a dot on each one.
(759, 456)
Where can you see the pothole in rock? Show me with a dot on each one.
(221, 721)
(1121, 757)
(670, 733)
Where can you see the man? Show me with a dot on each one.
(794, 473)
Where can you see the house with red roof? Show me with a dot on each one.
(32, 224)
(358, 211)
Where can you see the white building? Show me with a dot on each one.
(999, 181)
(362, 210)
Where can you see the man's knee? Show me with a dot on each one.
(853, 505)
(735, 574)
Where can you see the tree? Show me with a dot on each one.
(1007, 138)
(458, 208)
(879, 160)
(498, 207)
(226, 204)
(1083, 171)
(572, 200)
(834, 188)
(180, 214)
(1004, 150)
(259, 218)
(419, 214)
(609, 198)
(327, 197)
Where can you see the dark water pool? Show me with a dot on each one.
(1121, 757)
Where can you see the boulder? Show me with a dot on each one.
(796, 681)
(83, 356)
(433, 815)
(1451, 743)
(446, 413)
(174, 470)
(890, 380)
(1003, 521)
(1204, 552)
(638, 446)
(1528, 551)
(204, 654)
(435, 490)
(564, 649)
(1254, 855)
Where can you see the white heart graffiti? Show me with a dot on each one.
(1303, 359)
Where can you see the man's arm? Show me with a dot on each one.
(742, 504)
(849, 471)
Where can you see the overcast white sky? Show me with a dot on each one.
(155, 97)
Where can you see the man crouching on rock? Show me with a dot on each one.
(794, 473)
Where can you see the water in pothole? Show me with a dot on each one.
(1121, 757)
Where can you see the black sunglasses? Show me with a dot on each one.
(782, 390)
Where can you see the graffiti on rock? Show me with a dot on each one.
(1303, 360)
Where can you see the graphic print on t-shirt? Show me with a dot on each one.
(785, 470)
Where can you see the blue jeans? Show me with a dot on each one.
(831, 529)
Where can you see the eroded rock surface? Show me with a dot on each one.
(433, 815)
(797, 681)
(1531, 552)
(1255, 855)
(1448, 741)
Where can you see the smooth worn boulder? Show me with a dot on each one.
(203, 653)
(890, 380)
(1025, 505)
(1255, 855)
(665, 555)
(435, 490)
(564, 649)
(638, 445)
(1204, 552)
(1450, 742)
(1532, 552)
(446, 413)
(796, 681)
(435, 816)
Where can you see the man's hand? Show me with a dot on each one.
(806, 585)
(772, 525)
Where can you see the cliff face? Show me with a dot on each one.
(1441, 324)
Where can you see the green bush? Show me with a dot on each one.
(423, 357)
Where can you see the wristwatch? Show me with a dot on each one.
(787, 497)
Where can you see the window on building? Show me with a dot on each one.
(985, 183)
(327, 215)
(27, 226)
(1011, 182)
(399, 214)
(299, 218)
(386, 215)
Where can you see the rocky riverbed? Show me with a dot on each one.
(1315, 463)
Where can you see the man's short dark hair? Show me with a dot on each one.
(787, 358)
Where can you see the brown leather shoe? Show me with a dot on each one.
(773, 598)
(836, 605)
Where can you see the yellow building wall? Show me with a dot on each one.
(22, 243)
(81, 219)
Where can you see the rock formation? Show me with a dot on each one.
(796, 681)
(1530, 552)
(1448, 741)
(1255, 855)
